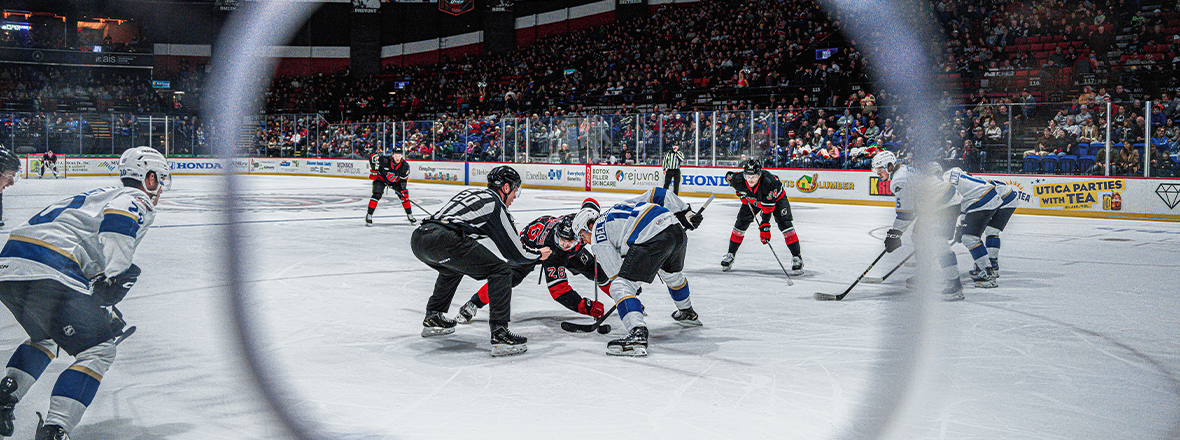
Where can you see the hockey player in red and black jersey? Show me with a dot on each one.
(569, 257)
(762, 192)
(389, 171)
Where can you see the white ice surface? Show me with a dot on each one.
(1078, 342)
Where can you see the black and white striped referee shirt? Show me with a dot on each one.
(672, 160)
(479, 213)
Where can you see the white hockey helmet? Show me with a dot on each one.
(883, 159)
(136, 163)
(584, 220)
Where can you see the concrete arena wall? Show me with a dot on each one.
(1069, 196)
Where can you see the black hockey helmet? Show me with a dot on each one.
(396, 150)
(501, 175)
(8, 160)
(565, 229)
(752, 166)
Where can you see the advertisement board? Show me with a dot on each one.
(628, 178)
(438, 172)
(1088, 196)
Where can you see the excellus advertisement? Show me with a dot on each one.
(1090, 196)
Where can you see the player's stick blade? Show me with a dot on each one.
(872, 280)
(825, 297)
(577, 328)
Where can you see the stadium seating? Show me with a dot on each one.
(1032, 164)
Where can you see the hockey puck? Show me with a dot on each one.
(604, 329)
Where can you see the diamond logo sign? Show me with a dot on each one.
(1169, 193)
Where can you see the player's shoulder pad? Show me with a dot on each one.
(768, 176)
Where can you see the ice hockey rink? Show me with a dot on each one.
(1078, 342)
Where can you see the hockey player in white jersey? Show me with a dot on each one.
(59, 273)
(981, 201)
(913, 187)
(633, 242)
(999, 221)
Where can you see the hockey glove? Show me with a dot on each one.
(690, 220)
(764, 232)
(109, 291)
(592, 308)
(892, 240)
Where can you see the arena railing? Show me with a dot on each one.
(1017, 144)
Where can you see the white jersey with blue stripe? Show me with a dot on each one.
(631, 222)
(76, 239)
(1009, 197)
(905, 184)
(978, 194)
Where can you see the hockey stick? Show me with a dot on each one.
(127, 332)
(706, 205)
(875, 280)
(828, 297)
(772, 252)
(420, 207)
(587, 328)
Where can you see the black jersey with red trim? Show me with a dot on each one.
(765, 194)
(542, 232)
(384, 169)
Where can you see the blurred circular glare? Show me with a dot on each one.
(892, 36)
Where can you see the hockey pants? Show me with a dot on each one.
(454, 255)
(54, 315)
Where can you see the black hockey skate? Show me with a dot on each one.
(995, 263)
(52, 432)
(687, 317)
(796, 265)
(7, 406)
(635, 344)
(506, 343)
(984, 278)
(467, 313)
(726, 262)
(953, 291)
(436, 324)
(49, 432)
(410, 217)
(368, 219)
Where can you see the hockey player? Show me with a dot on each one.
(569, 256)
(998, 222)
(48, 160)
(389, 171)
(633, 242)
(912, 187)
(60, 271)
(9, 169)
(447, 242)
(981, 201)
(762, 192)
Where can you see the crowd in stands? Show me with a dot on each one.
(738, 45)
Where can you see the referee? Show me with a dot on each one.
(671, 164)
(448, 242)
